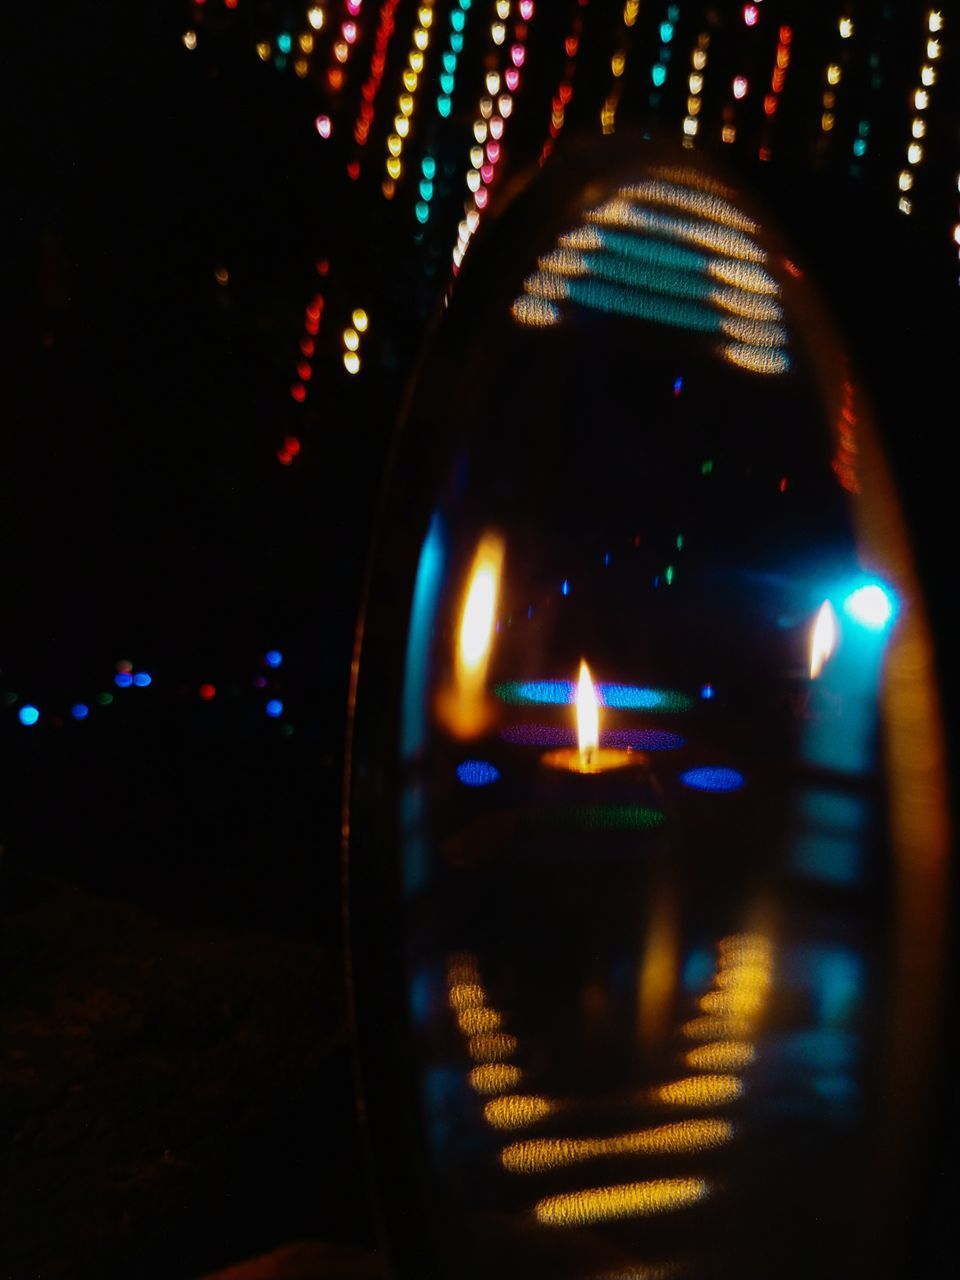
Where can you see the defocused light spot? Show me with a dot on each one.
(274, 708)
(477, 773)
(494, 1077)
(79, 711)
(626, 697)
(273, 657)
(207, 692)
(29, 715)
(712, 778)
(142, 679)
(516, 1111)
(494, 1047)
(726, 1055)
(871, 606)
(474, 1021)
(578, 1208)
(123, 679)
(540, 1154)
(823, 638)
(699, 1091)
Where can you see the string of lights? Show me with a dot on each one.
(371, 86)
(407, 99)
(564, 94)
(921, 102)
(618, 65)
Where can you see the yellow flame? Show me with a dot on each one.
(516, 1111)
(588, 712)
(823, 638)
(539, 1154)
(630, 1200)
(479, 608)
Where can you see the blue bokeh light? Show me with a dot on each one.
(79, 711)
(477, 773)
(565, 587)
(558, 693)
(123, 679)
(871, 605)
(273, 657)
(706, 691)
(274, 708)
(712, 778)
(142, 679)
(28, 714)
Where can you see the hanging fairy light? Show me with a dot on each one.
(561, 99)
(921, 101)
(778, 78)
(343, 43)
(371, 86)
(658, 73)
(351, 337)
(311, 327)
(698, 63)
(412, 73)
(494, 109)
(451, 55)
(618, 65)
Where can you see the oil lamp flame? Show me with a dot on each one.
(588, 714)
(823, 638)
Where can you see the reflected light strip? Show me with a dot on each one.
(823, 638)
(756, 359)
(598, 817)
(560, 693)
(494, 1077)
(699, 1091)
(618, 212)
(700, 203)
(630, 1200)
(540, 1154)
(516, 1111)
(492, 1046)
(549, 735)
(716, 1028)
(724, 1055)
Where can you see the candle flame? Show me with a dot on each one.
(588, 712)
(823, 638)
(479, 612)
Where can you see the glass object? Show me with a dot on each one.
(646, 812)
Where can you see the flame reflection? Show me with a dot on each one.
(632, 1199)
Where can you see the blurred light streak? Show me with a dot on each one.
(715, 778)
(477, 773)
(721, 1056)
(492, 1047)
(494, 1077)
(823, 638)
(517, 1111)
(630, 1200)
(537, 1155)
(550, 735)
(699, 1091)
(561, 693)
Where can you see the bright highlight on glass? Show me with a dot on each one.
(823, 638)
(871, 606)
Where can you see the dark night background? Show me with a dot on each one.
(178, 1087)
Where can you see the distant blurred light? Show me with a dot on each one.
(142, 679)
(871, 606)
(207, 692)
(28, 714)
(846, 28)
(740, 86)
(79, 711)
(659, 74)
(677, 386)
(124, 665)
(284, 42)
(565, 587)
(823, 638)
(123, 679)
(315, 17)
(324, 126)
(273, 657)
(751, 14)
(361, 320)
(190, 40)
(274, 708)
(104, 699)
(712, 778)
(706, 691)
(477, 773)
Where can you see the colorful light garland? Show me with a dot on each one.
(371, 86)
(921, 101)
(407, 100)
(564, 94)
(698, 63)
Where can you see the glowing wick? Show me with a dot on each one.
(823, 638)
(588, 716)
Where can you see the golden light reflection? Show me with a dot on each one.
(467, 995)
(699, 1091)
(703, 204)
(516, 1110)
(823, 638)
(464, 709)
(494, 1077)
(630, 1200)
(493, 1046)
(725, 1055)
(716, 1028)
(476, 1021)
(537, 1155)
